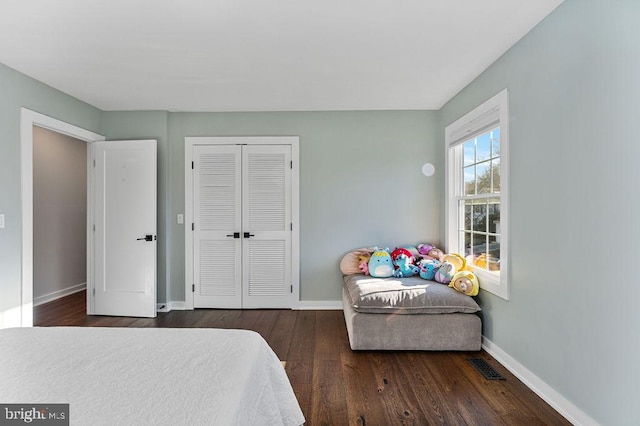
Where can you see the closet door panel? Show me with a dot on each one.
(266, 201)
(217, 198)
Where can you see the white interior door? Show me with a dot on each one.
(217, 226)
(125, 228)
(266, 226)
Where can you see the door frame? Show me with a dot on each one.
(28, 119)
(190, 142)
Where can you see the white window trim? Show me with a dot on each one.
(463, 129)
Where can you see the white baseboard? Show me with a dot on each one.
(58, 294)
(314, 305)
(561, 404)
(171, 306)
(330, 305)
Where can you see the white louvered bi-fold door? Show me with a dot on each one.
(242, 226)
(266, 225)
(217, 214)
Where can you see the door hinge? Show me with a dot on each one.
(291, 225)
(94, 292)
(94, 227)
(292, 288)
(193, 166)
(94, 163)
(193, 288)
(193, 226)
(291, 164)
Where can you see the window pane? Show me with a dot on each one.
(495, 142)
(467, 215)
(478, 243)
(469, 153)
(469, 180)
(495, 173)
(494, 216)
(483, 177)
(483, 147)
(468, 243)
(480, 217)
(493, 254)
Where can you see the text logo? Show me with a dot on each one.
(34, 414)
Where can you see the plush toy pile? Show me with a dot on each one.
(425, 260)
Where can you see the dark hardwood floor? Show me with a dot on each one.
(337, 386)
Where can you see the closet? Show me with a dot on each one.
(242, 246)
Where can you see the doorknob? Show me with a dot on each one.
(146, 238)
(234, 235)
(247, 235)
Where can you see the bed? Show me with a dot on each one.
(148, 376)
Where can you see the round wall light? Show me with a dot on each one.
(428, 169)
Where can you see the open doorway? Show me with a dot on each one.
(59, 220)
(29, 119)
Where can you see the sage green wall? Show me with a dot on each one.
(574, 93)
(360, 183)
(16, 91)
(123, 125)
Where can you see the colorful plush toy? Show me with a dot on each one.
(465, 282)
(380, 265)
(401, 250)
(456, 260)
(350, 263)
(445, 273)
(413, 250)
(429, 250)
(404, 266)
(423, 249)
(364, 263)
(428, 268)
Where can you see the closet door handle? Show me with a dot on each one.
(248, 235)
(234, 235)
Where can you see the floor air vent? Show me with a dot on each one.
(485, 369)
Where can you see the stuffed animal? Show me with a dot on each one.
(413, 250)
(465, 282)
(428, 268)
(380, 265)
(350, 263)
(404, 266)
(429, 250)
(423, 249)
(364, 263)
(456, 260)
(401, 250)
(445, 273)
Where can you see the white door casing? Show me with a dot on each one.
(259, 253)
(23, 314)
(125, 178)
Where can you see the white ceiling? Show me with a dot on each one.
(261, 55)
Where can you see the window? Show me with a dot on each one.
(477, 179)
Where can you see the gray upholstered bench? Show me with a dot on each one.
(409, 314)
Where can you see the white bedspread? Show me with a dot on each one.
(150, 376)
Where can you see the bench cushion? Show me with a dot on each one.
(411, 295)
